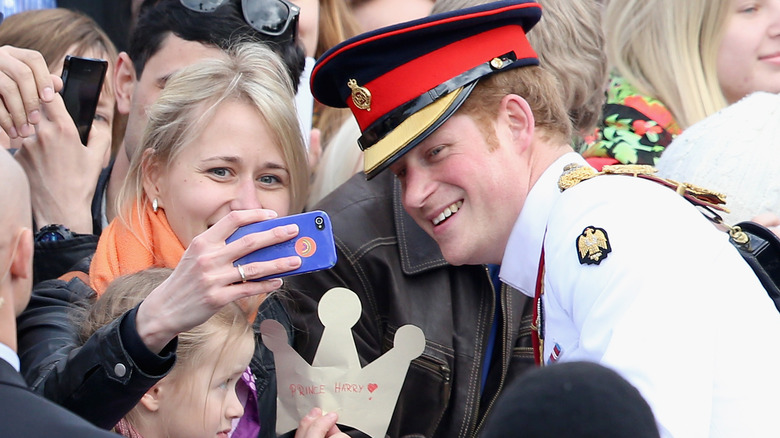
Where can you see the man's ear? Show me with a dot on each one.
(516, 113)
(152, 399)
(124, 80)
(21, 270)
(21, 265)
(151, 177)
(315, 149)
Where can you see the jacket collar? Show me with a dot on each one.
(418, 251)
(9, 355)
(10, 376)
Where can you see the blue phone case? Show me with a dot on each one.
(314, 243)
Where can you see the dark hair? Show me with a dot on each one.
(222, 28)
(571, 400)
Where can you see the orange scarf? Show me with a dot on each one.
(121, 252)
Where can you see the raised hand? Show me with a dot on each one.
(25, 81)
(63, 173)
(205, 279)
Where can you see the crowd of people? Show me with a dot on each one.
(488, 170)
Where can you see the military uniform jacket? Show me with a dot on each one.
(671, 305)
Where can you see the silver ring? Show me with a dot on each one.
(241, 273)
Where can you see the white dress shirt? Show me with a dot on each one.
(10, 356)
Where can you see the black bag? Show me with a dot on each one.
(760, 248)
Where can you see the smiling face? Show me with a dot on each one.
(749, 55)
(233, 164)
(464, 192)
(200, 400)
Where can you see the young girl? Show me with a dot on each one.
(205, 393)
(198, 398)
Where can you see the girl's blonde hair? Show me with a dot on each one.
(668, 49)
(130, 290)
(249, 72)
(127, 292)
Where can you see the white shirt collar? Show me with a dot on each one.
(10, 356)
(520, 263)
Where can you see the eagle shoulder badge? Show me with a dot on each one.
(593, 246)
(361, 97)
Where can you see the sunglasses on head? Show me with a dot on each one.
(277, 19)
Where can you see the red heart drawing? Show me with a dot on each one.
(372, 387)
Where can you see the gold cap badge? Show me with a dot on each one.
(361, 97)
(593, 246)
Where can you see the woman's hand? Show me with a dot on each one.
(316, 425)
(206, 280)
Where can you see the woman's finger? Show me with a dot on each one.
(25, 81)
(259, 240)
(235, 219)
(255, 270)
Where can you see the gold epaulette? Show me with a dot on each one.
(574, 174)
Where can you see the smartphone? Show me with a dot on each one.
(314, 243)
(83, 80)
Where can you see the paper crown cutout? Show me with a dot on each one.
(364, 398)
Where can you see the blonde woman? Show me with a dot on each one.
(221, 150)
(675, 63)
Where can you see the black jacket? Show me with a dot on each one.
(26, 414)
(401, 278)
(103, 380)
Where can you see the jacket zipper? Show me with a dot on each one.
(504, 343)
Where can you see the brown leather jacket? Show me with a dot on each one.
(401, 278)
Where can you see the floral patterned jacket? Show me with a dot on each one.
(634, 129)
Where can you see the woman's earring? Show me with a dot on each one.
(154, 205)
